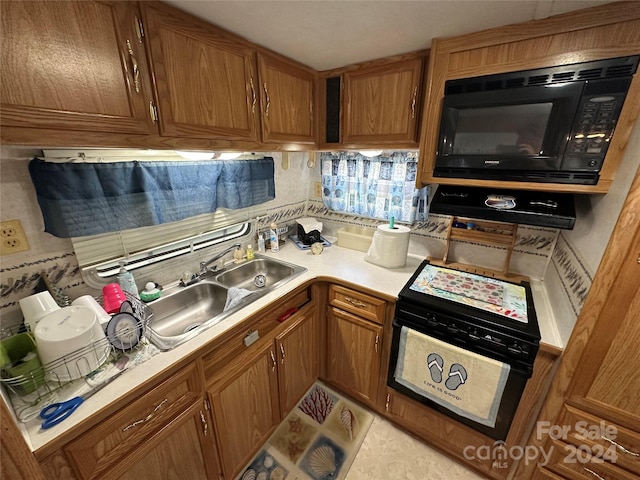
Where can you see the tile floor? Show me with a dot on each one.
(388, 453)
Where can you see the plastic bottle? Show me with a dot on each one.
(273, 238)
(261, 247)
(249, 252)
(127, 282)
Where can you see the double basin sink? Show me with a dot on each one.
(184, 312)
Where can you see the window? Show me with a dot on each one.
(380, 186)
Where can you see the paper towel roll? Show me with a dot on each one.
(389, 246)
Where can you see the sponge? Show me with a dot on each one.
(152, 291)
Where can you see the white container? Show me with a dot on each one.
(35, 307)
(389, 246)
(274, 241)
(71, 332)
(355, 238)
(101, 313)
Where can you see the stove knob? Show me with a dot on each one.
(515, 348)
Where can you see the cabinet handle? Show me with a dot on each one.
(376, 344)
(619, 447)
(594, 473)
(386, 405)
(266, 94)
(253, 96)
(273, 361)
(282, 351)
(354, 302)
(153, 112)
(204, 423)
(148, 417)
(134, 67)
(413, 102)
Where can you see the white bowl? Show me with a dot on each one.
(35, 307)
(71, 343)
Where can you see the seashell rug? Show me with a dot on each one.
(318, 440)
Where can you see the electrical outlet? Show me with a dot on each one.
(317, 189)
(12, 237)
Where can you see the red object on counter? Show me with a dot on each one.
(287, 314)
(112, 297)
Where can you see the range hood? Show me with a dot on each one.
(543, 209)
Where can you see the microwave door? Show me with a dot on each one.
(515, 129)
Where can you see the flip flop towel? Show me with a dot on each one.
(470, 385)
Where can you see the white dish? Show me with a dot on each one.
(71, 343)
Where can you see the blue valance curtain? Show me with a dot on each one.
(377, 187)
(79, 199)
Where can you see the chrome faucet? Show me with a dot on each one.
(215, 258)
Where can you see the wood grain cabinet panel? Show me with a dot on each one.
(118, 441)
(354, 350)
(383, 103)
(74, 66)
(245, 407)
(185, 451)
(251, 394)
(299, 361)
(205, 80)
(287, 95)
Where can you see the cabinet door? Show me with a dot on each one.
(119, 439)
(286, 94)
(74, 65)
(185, 450)
(204, 78)
(298, 360)
(245, 407)
(383, 103)
(353, 354)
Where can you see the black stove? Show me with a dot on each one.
(493, 319)
(436, 298)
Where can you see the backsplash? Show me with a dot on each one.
(531, 256)
(545, 253)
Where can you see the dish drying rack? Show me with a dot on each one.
(30, 393)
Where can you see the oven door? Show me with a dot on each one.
(449, 376)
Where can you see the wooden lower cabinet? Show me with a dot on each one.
(251, 395)
(245, 407)
(298, 350)
(354, 349)
(185, 450)
(164, 434)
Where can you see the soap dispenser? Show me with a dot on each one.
(126, 281)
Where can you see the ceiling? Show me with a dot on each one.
(325, 34)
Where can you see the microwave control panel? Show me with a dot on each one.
(594, 125)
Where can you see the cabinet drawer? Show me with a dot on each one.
(623, 444)
(576, 463)
(99, 450)
(233, 345)
(361, 304)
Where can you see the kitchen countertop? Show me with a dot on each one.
(335, 262)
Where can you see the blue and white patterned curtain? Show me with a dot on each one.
(377, 187)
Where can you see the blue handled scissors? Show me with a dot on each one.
(56, 412)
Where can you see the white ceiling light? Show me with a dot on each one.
(191, 155)
(229, 155)
(370, 153)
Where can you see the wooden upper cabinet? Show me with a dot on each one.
(287, 96)
(74, 66)
(382, 103)
(205, 78)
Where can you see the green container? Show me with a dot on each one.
(20, 365)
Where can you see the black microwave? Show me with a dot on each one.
(545, 125)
